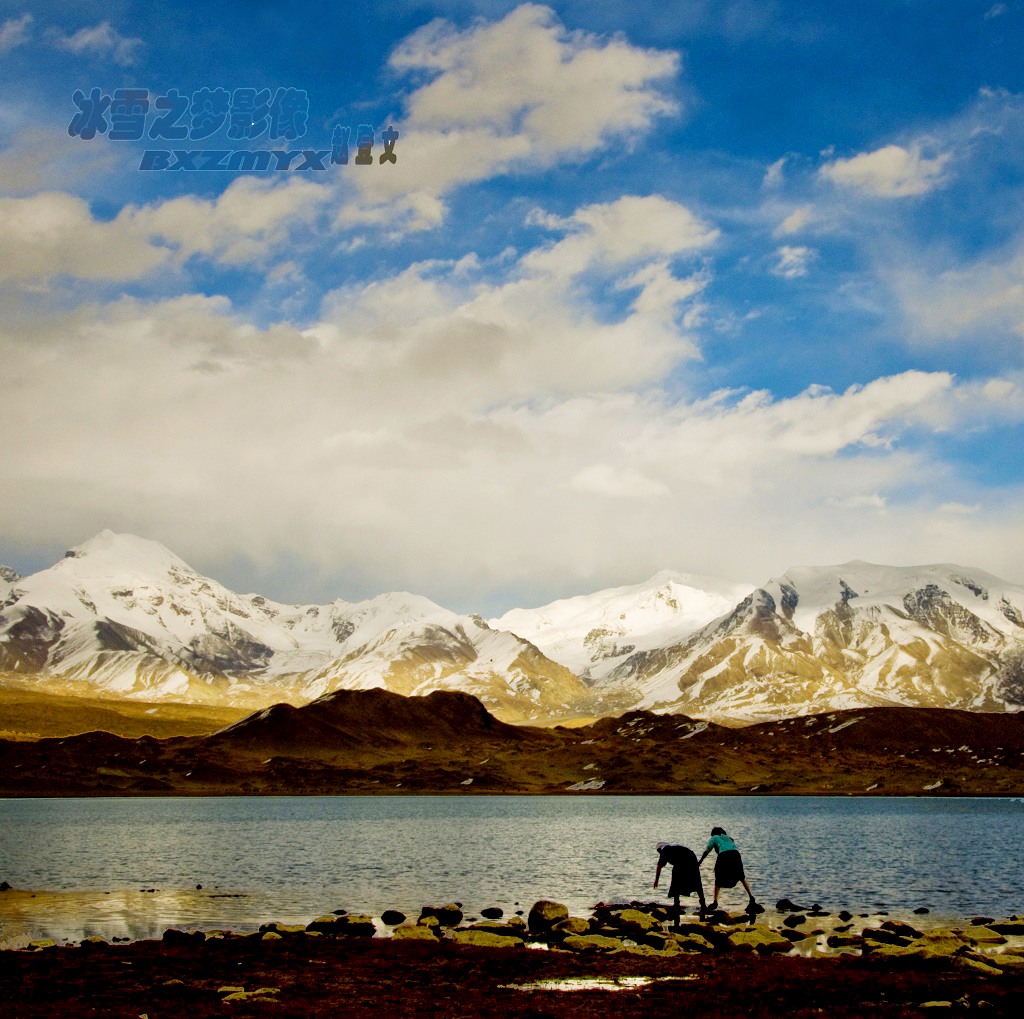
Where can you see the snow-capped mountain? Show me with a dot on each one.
(821, 638)
(124, 616)
(592, 634)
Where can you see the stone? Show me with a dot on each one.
(355, 925)
(633, 922)
(903, 929)
(881, 936)
(281, 928)
(592, 943)
(392, 917)
(230, 989)
(983, 936)
(414, 932)
(271, 936)
(981, 921)
(794, 920)
(323, 924)
(263, 993)
(571, 925)
(788, 906)
(922, 910)
(692, 943)
(93, 942)
(544, 914)
(40, 943)
(844, 941)
(492, 913)
(845, 915)
(173, 936)
(936, 1004)
(484, 939)
(1010, 927)
(976, 965)
(447, 916)
(1006, 960)
(759, 938)
(795, 936)
(502, 930)
(4, 886)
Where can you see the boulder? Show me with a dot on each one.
(789, 906)
(93, 942)
(544, 914)
(414, 932)
(794, 920)
(592, 944)
(271, 936)
(392, 917)
(571, 925)
(880, 936)
(501, 930)
(759, 938)
(492, 913)
(692, 942)
(40, 943)
(1012, 927)
(324, 924)
(633, 923)
(173, 936)
(355, 925)
(447, 916)
(902, 929)
(282, 928)
(484, 939)
(983, 936)
(844, 941)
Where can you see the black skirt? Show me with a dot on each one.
(685, 879)
(729, 869)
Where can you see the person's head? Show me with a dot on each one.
(660, 846)
(718, 831)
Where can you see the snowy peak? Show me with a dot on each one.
(591, 634)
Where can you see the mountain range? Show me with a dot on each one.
(123, 617)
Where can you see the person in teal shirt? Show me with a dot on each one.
(728, 867)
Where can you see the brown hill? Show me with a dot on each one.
(378, 742)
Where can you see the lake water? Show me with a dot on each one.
(292, 858)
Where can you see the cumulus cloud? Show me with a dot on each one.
(889, 172)
(792, 260)
(52, 234)
(15, 32)
(795, 221)
(102, 41)
(514, 95)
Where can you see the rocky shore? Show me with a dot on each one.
(794, 959)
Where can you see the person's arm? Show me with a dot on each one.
(706, 851)
(657, 874)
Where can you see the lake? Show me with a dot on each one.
(129, 867)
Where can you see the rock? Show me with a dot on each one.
(788, 906)
(173, 936)
(355, 925)
(692, 943)
(633, 922)
(93, 942)
(977, 965)
(844, 941)
(1010, 927)
(492, 913)
(447, 916)
(230, 989)
(4, 886)
(323, 924)
(414, 932)
(981, 921)
(502, 930)
(794, 920)
(571, 925)
(922, 910)
(845, 915)
(271, 936)
(936, 1004)
(40, 943)
(544, 914)
(759, 938)
(281, 928)
(1006, 960)
(880, 936)
(904, 930)
(263, 993)
(795, 936)
(592, 943)
(484, 939)
(983, 936)
(392, 917)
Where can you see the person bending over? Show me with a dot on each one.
(728, 867)
(685, 875)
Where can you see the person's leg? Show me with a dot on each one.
(676, 911)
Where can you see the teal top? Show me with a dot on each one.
(720, 843)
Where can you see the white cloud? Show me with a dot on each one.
(774, 175)
(617, 483)
(889, 172)
(52, 234)
(791, 261)
(14, 32)
(795, 221)
(514, 95)
(102, 40)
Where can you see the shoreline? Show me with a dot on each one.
(623, 956)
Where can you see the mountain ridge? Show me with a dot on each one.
(121, 616)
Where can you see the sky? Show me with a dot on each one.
(723, 287)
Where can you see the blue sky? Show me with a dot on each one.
(722, 288)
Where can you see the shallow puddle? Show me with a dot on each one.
(592, 983)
